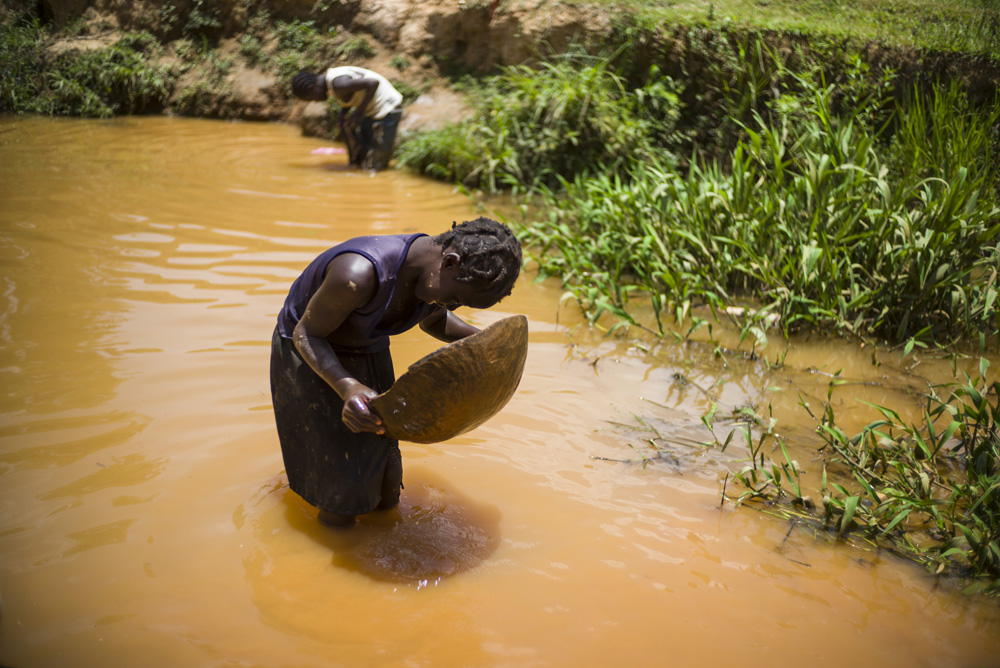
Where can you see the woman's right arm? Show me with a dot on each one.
(350, 284)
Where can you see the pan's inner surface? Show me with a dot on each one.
(457, 387)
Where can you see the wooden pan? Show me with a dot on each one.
(457, 387)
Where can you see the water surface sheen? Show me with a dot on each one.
(144, 511)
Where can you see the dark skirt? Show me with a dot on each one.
(327, 464)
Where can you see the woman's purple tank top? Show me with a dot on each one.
(386, 253)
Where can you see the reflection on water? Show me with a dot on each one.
(433, 534)
(144, 510)
(91, 538)
(310, 581)
(58, 441)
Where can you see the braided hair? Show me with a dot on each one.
(302, 82)
(490, 255)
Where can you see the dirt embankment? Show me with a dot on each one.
(463, 35)
(436, 37)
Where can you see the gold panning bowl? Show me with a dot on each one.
(458, 386)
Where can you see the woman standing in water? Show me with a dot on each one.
(330, 351)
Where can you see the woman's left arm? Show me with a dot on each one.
(447, 326)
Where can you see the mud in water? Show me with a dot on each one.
(144, 511)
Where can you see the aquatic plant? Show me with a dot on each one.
(927, 490)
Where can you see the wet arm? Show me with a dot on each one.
(345, 88)
(447, 326)
(349, 284)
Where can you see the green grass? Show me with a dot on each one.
(816, 219)
(300, 45)
(535, 126)
(355, 48)
(120, 79)
(20, 53)
(964, 26)
(925, 489)
(129, 77)
(848, 205)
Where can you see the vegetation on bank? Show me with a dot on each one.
(535, 125)
(825, 195)
(969, 27)
(140, 73)
(859, 206)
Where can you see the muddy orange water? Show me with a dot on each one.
(145, 518)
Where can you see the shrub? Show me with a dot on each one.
(119, 79)
(356, 48)
(807, 220)
(20, 53)
(538, 126)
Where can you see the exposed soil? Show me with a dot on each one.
(437, 38)
(467, 35)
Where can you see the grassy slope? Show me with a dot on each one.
(963, 26)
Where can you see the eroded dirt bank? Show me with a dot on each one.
(436, 39)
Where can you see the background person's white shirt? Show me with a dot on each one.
(386, 97)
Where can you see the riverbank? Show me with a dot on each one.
(234, 60)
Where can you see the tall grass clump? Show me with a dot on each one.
(20, 52)
(120, 79)
(884, 230)
(573, 115)
(940, 133)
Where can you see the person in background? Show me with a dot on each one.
(330, 351)
(370, 110)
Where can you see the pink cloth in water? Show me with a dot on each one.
(327, 150)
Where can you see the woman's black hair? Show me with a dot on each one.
(490, 254)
